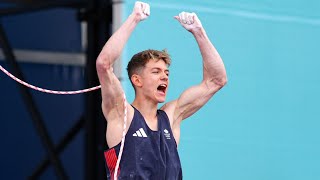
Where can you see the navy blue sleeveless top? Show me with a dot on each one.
(147, 154)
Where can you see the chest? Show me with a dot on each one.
(152, 124)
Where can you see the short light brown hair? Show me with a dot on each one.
(139, 60)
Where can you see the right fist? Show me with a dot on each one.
(141, 10)
(189, 21)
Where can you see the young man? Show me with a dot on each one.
(152, 135)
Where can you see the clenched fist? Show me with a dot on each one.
(189, 21)
(141, 10)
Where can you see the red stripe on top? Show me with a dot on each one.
(111, 159)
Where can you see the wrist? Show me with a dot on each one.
(199, 31)
(136, 18)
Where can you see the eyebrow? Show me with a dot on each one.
(157, 68)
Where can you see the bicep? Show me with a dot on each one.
(192, 99)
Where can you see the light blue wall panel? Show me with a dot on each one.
(265, 123)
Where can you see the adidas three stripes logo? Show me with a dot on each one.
(140, 133)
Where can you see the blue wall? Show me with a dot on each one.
(265, 123)
(21, 149)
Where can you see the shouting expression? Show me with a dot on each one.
(154, 81)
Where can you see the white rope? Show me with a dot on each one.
(47, 90)
(123, 137)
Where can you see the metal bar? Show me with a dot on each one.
(48, 57)
(98, 31)
(59, 148)
(90, 117)
(31, 106)
(40, 6)
(29, 1)
(21, 1)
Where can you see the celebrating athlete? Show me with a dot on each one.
(152, 134)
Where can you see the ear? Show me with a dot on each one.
(136, 80)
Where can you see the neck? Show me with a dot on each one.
(147, 108)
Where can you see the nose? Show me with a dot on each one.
(164, 77)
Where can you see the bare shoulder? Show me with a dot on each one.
(169, 108)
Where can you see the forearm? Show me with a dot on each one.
(213, 67)
(114, 46)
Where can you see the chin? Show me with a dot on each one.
(161, 100)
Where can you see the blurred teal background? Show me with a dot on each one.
(264, 124)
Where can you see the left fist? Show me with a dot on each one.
(141, 10)
(189, 21)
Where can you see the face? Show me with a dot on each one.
(155, 80)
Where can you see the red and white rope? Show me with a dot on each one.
(79, 92)
(123, 137)
(47, 90)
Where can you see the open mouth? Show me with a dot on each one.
(162, 88)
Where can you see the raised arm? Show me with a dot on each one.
(114, 46)
(214, 73)
(111, 90)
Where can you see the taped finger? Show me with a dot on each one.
(143, 7)
(148, 10)
(192, 17)
(189, 18)
(180, 17)
(195, 17)
(184, 17)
